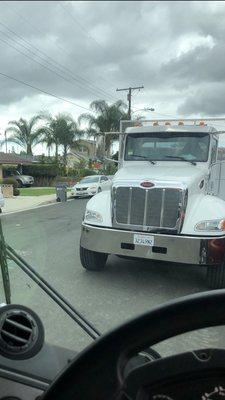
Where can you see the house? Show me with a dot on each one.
(14, 160)
(83, 150)
(85, 147)
(74, 158)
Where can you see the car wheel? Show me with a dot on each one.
(20, 184)
(92, 260)
(216, 276)
(99, 189)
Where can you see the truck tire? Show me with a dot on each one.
(91, 260)
(216, 276)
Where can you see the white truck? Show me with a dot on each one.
(166, 202)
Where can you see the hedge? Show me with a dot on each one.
(40, 170)
(80, 172)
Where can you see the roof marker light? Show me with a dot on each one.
(167, 123)
(155, 123)
(202, 123)
(180, 123)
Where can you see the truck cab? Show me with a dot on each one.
(166, 202)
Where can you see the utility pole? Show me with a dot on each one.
(129, 96)
(6, 149)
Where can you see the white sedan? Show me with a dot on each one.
(90, 185)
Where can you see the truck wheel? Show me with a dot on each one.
(91, 260)
(216, 276)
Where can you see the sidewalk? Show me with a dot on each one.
(20, 203)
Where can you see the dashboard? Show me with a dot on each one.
(27, 363)
(208, 388)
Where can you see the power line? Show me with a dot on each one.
(32, 52)
(62, 49)
(43, 91)
(63, 67)
(81, 26)
(86, 33)
(129, 96)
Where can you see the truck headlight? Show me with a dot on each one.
(211, 225)
(92, 216)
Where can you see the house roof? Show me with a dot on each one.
(13, 158)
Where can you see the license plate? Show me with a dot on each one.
(144, 240)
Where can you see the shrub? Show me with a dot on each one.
(16, 192)
(85, 172)
(37, 170)
(110, 169)
(10, 181)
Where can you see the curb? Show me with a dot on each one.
(45, 204)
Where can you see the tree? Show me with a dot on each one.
(25, 133)
(60, 130)
(106, 118)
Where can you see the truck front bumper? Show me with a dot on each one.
(181, 249)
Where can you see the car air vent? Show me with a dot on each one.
(21, 332)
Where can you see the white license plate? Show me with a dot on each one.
(144, 240)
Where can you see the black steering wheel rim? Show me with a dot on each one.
(97, 372)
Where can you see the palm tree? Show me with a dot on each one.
(24, 133)
(60, 130)
(106, 118)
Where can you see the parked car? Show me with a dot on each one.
(90, 185)
(2, 201)
(22, 180)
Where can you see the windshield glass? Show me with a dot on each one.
(90, 179)
(166, 146)
(76, 78)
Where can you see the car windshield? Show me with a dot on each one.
(88, 90)
(167, 146)
(90, 179)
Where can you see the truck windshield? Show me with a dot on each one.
(167, 146)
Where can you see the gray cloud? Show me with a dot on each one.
(176, 49)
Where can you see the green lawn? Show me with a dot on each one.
(36, 191)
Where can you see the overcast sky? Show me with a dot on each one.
(82, 51)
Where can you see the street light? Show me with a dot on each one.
(143, 109)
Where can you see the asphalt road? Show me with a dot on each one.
(48, 237)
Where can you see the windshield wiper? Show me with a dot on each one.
(144, 158)
(182, 158)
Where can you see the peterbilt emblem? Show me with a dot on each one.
(147, 184)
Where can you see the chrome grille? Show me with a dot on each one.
(147, 208)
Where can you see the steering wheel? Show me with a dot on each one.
(97, 373)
